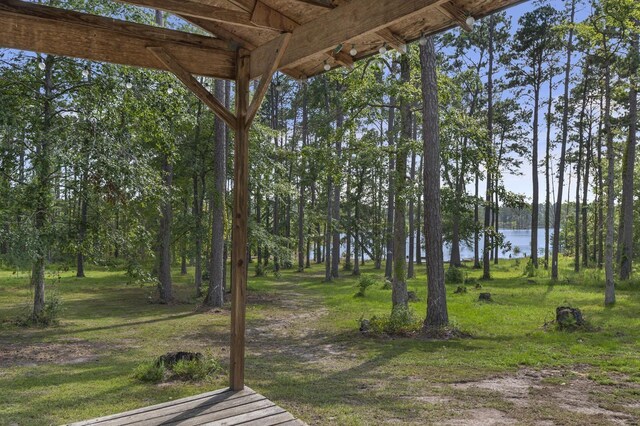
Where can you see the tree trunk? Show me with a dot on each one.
(563, 151)
(412, 239)
(629, 166)
(437, 315)
(388, 266)
(215, 293)
(547, 178)
(419, 218)
(165, 285)
(486, 273)
(399, 294)
(610, 296)
(579, 166)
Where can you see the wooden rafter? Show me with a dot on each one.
(353, 19)
(452, 11)
(393, 40)
(266, 78)
(194, 85)
(56, 31)
(220, 32)
(320, 3)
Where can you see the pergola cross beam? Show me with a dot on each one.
(195, 86)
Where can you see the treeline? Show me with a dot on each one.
(114, 165)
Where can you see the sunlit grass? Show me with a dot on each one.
(122, 329)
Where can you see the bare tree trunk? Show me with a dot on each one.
(337, 186)
(399, 294)
(476, 221)
(610, 296)
(547, 178)
(165, 285)
(301, 200)
(563, 153)
(629, 166)
(388, 266)
(579, 166)
(419, 218)
(328, 276)
(215, 293)
(486, 274)
(585, 194)
(42, 176)
(437, 315)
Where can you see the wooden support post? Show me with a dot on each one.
(240, 221)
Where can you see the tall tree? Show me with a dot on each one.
(437, 314)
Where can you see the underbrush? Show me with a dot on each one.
(401, 322)
(186, 370)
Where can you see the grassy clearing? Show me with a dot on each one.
(306, 354)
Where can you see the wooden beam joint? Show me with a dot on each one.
(194, 85)
(452, 11)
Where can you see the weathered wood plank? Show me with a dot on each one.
(224, 415)
(271, 420)
(29, 26)
(142, 410)
(184, 412)
(242, 418)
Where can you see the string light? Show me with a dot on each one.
(279, 87)
(170, 90)
(128, 84)
(41, 65)
(383, 49)
(423, 40)
(471, 21)
(327, 67)
(353, 51)
(85, 72)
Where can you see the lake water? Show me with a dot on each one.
(520, 238)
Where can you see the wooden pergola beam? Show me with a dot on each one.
(55, 31)
(452, 11)
(260, 15)
(393, 40)
(194, 85)
(261, 91)
(339, 25)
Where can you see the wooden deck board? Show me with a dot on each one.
(218, 408)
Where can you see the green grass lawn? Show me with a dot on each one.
(305, 351)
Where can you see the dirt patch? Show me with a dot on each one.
(31, 354)
(482, 417)
(566, 390)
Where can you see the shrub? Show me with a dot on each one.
(530, 270)
(365, 282)
(387, 285)
(454, 275)
(259, 270)
(187, 370)
(401, 322)
(197, 369)
(48, 316)
(150, 371)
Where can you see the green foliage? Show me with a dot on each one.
(530, 270)
(150, 371)
(196, 370)
(193, 370)
(454, 275)
(364, 283)
(401, 322)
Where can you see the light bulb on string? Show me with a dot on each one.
(383, 49)
(170, 90)
(423, 40)
(41, 65)
(128, 85)
(327, 67)
(85, 72)
(353, 51)
(279, 87)
(470, 21)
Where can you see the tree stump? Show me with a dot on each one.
(568, 318)
(485, 297)
(412, 296)
(460, 290)
(365, 326)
